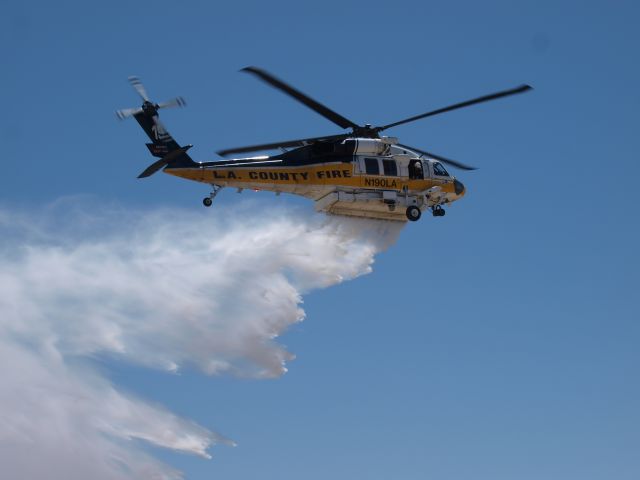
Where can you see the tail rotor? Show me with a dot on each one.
(148, 107)
(163, 145)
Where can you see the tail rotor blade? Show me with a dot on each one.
(127, 112)
(174, 102)
(137, 84)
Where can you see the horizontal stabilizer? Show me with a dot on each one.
(166, 160)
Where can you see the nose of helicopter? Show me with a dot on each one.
(458, 188)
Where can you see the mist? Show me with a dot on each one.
(165, 289)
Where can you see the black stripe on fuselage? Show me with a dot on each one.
(274, 162)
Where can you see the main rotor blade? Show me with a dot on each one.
(486, 98)
(137, 84)
(448, 161)
(287, 143)
(301, 97)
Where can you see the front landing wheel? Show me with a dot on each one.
(206, 201)
(413, 213)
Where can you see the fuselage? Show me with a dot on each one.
(362, 177)
(365, 165)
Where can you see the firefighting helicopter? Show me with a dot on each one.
(359, 173)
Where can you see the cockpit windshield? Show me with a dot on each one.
(439, 170)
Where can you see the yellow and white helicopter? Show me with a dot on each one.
(359, 173)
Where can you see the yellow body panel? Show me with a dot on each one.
(298, 179)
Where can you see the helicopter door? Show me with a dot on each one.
(426, 167)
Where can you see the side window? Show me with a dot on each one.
(390, 168)
(371, 166)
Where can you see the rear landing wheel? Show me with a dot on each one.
(206, 201)
(413, 213)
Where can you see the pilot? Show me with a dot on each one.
(415, 170)
(419, 174)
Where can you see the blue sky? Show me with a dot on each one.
(500, 341)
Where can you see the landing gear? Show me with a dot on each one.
(413, 213)
(207, 201)
(437, 211)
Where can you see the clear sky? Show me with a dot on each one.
(498, 342)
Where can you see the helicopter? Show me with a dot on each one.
(358, 173)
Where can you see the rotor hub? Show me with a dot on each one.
(150, 108)
(366, 131)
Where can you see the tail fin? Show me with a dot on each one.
(164, 146)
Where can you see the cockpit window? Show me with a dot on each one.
(438, 169)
